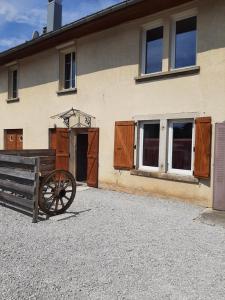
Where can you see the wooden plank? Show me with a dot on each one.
(47, 159)
(11, 186)
(36, 192)
(17, 159)
(16, 166)
(29, 153)
(50, 167)
(7, 172)
(18, 201)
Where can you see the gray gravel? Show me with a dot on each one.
(112, 246)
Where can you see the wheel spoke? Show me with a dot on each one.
(50, 206)
(56, 204)
(66, 198)
(69, 191)
(48, 193)
(67, 185)
(61, 200)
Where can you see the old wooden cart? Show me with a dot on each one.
(28, 180)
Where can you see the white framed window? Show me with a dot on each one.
(184, 40)
(152, 48)
(67, 70)
(181, 146)
(13, 82)
(149, 138)
(165, 143)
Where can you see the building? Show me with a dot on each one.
(146, 81)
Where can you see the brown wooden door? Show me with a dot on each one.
(92, 156)
(14, 139)
(59, 141)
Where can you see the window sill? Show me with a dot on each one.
(166, 176)
(12, 100)
(169, 74)
(66, 92)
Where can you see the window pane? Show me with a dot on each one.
(186, 34)
(154, 50)
(67, 84)
(151, 145)
(182, 146)
(73, 70)
(14, 84)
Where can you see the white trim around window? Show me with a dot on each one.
(141, 147)
(170, 148)
(175, 18)
(13, 82)
(145, 29)
(62, 54)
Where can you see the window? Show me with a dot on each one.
(185, 42)
(153, 46)
(69, 71)
(180, 155)
(154, 50)
(13, 83)
(149, 145)
(166, 146)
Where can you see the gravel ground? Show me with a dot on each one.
(112, 246)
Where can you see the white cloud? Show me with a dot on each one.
(11, 42)
(33, 13)
(16, 12)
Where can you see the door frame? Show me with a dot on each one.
(73, 147)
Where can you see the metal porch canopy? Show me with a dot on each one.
(75, 118)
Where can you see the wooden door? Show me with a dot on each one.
(59, 141)
(92, 156)
(14, 139)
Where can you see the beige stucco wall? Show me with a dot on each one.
(107, 63)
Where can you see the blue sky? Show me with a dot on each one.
(19, 18)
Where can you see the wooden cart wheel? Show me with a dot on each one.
(57, 192)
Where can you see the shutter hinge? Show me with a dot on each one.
(135, 147)
(194, 149)
(135, 123)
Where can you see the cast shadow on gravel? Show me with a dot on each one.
(72, 214)
(42, 217)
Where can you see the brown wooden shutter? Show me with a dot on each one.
(59, 141)
(124, 145)
(203, 133)
(92, 157)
